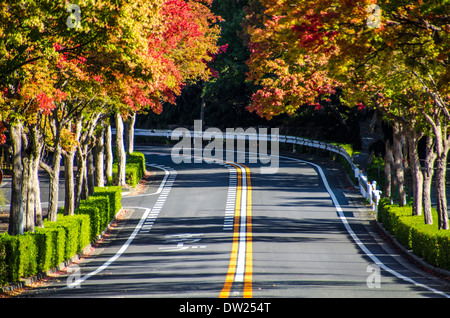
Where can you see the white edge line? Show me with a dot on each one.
(119, 252)
(161, 186)
(352, 234)
(356, 238)
(129, 240)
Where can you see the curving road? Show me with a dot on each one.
(226, 230)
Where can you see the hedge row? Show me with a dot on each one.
(425, 240)
(32, 253)
(134, 169)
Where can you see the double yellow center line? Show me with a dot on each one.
(241, 260)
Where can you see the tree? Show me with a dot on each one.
(400, 66)
(51, 66)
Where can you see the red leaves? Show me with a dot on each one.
(313, 35)
(180, 23)
(2, 133)
(97, 78)
(45, 103)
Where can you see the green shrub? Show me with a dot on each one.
(58, 236)
(94, 219)
(46, 248)
(115, 198)
(443, 245)
(133, 174)
(85, 231)
(3, 262)
(134, 169)
(26, 255)
(21, 255)
(425, 240)
(138, 159)
(71, 227)
(103, 206)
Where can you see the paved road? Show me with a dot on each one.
(226, 230)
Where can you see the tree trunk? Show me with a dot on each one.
(441, 199)
(54, 184)
(108, 153)
(69, 196)
(81, 168)
(413, 138)
(389, 161)
(398, 164)
(430, 158)
(38, 218)
(69, 173)
(90, 173)
(442, 148)
(130, 134)
(37, 145)
(83, 150)
(16, 204)
(121, 156)
(99, 157)
(31, 194)
(28, 198)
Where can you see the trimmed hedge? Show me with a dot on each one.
(21, 256)
(425, 240)
(52, 247)
(93, 213)
(103, 206)
(134, 168)
(32, 253)
(115, 198)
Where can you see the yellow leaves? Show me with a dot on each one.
(69, 140)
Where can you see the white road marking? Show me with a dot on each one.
(141, 227)
(356, 238)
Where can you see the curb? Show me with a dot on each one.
(409, 254)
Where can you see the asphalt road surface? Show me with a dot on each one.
(226, 230)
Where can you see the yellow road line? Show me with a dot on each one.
(248, 278)
(234, 249)
(248, 274)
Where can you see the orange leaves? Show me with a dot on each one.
(45, 103)
(136, 54)
(289, 54)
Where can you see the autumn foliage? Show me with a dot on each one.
(62, 74)
(391, 56)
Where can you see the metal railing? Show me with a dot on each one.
(368, 189)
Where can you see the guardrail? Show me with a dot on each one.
(368, 189)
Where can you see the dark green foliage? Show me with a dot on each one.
(71, 227)
(102, 203)
(3, 261)
(134, 169)
(115, 197)
(425, 240)
(21, 256)
(94, 219)
(85, 231)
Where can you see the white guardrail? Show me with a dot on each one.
(368, 190)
